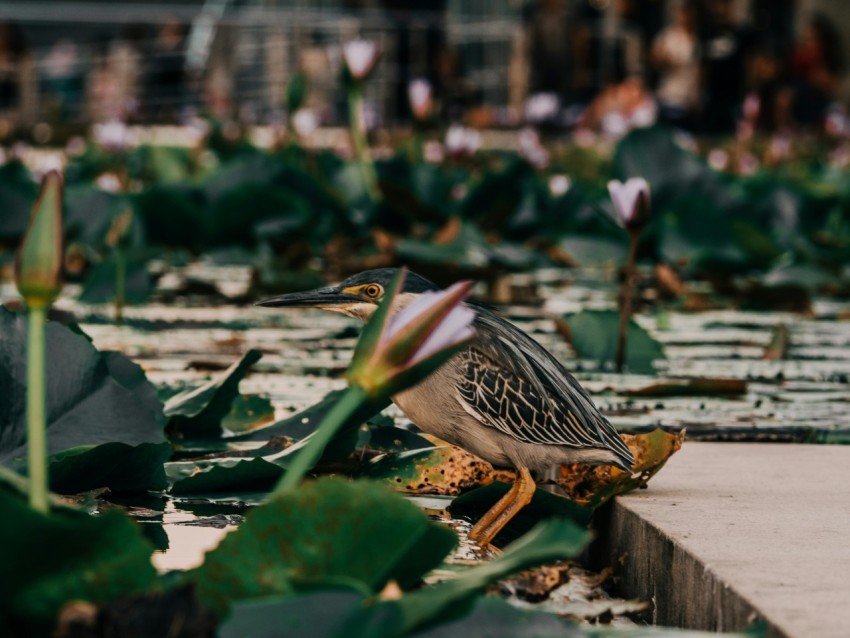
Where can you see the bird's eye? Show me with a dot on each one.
(373, 291)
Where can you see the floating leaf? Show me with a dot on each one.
(198, 413)
(388, 438)
(231, 475)
(549, 541)
(690, 388)
(117, 466)
(544, 505)
(593, 485)
(326, 531)
(46, 561)
(297, 426)
(442, 470)
(248, 413)
(311, 615)
(92, 397)
(593, 334)
(100, 284)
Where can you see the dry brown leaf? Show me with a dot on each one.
(593, 485)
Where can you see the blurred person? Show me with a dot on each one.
(725, 51)
(18, 78)
(816, 65)
(675, 54)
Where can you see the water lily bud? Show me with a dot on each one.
(631, 202)
(38, 271)
(420, 94)
(360, 56)
(399, 348)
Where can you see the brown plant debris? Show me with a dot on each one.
(593, 485)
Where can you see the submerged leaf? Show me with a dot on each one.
(593, 485)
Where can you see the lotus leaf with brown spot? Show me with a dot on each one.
(594, 485)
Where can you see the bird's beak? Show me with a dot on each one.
(318, 298)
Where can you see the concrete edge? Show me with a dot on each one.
(681, 590)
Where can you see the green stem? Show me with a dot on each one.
(361, 146)
(36, 420)
(626, 301)
(120, 283)
(350, 406)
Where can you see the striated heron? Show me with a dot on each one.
(504, 398)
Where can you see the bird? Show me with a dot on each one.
(503, 397)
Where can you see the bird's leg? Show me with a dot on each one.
(520, 495)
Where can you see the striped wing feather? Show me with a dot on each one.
(517, 387)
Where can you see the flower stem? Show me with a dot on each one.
(36, 421)
(120, 283)
(352, 406)
(626, 301)
(361, 147)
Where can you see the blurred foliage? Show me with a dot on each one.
(480, 214)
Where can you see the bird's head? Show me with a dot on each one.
(358, 296)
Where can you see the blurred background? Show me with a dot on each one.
(604, 64)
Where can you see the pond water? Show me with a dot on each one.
(803, 396)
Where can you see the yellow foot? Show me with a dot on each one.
(520, 495)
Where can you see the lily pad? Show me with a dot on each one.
(593, 334)
(199, 413)
(446, 470)
(328, 531)
(544, 505)
(232, 475)
(593, 485)
(117, 466)
(549, 541)
(48, 560)
(100, 285)
(690, 388)
(92, 397)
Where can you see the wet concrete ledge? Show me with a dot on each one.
(731, 532)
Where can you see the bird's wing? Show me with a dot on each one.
(511, 383)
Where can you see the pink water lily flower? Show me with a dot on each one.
(631, 202)
(411, 342)
(420, 94)
(360, 57)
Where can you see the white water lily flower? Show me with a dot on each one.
(305, 122)
(462, 141)
(631, 202)
(559, 185)
(420, 94)
(113, 135)
(542, 107)
(360, 57)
